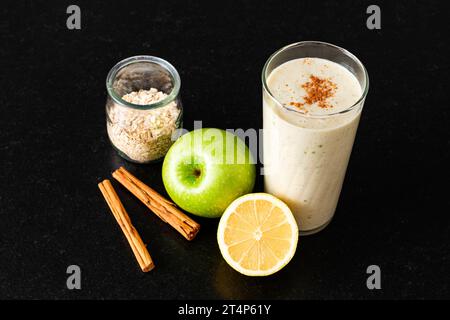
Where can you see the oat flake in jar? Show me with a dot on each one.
(143, 108)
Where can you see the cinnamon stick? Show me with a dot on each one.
(137, 245)
(163, 208)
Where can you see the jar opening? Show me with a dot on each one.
(143, 72)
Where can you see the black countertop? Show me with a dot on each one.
(393, 210)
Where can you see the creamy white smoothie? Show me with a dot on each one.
(309, 129)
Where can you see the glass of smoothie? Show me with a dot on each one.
(313, 94)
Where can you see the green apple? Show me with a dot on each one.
(206, 169)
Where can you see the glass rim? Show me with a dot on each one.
(320, 116)
(143, 58)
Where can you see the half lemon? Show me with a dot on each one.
(257, 234)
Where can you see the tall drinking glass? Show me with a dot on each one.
(313, 95)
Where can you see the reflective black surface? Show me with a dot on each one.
(393, 211)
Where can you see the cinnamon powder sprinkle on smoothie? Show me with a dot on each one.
(317, 91)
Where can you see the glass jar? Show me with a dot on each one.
(143, 130)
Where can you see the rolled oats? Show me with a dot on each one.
(143, 135)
